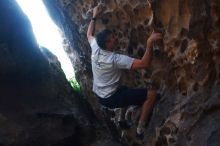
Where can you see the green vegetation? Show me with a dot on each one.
(74, 84)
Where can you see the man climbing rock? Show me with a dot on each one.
(107, 66)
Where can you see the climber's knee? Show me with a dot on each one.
(152, 94)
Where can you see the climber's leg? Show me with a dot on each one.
(146, 110)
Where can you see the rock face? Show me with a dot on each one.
(37, 105)
(186, 71)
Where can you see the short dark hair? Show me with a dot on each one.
(101, 38)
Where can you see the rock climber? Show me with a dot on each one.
(107, 66)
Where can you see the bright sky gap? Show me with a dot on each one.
(46, 32)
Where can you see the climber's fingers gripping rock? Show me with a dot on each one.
(155, 36)
(97, 10)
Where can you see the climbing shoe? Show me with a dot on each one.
(140, 136)
(140, 131)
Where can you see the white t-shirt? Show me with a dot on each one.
(106, 68)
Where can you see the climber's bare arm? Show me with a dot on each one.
(144, 62)
(91, 28)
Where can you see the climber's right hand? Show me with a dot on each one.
(97, 10)
(154, 37)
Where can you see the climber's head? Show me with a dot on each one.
(106, 39)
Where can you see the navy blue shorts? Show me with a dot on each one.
(124, 97)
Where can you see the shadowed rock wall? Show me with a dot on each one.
(186, 71)
(37, 105)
